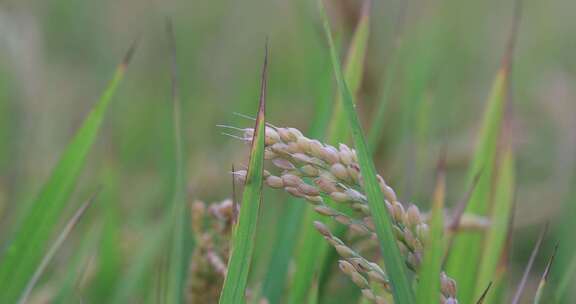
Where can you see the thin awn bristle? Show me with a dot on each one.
(243, 116)
(253, 119)
(232, 128)
(235, 136)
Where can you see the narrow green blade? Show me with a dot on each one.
(565, 280)
(243, 240)
(500, 214)
(313, 250)
(544, 279)
(429, 277)
(179, 253)
(395, 266)
(564, 275)
(55, 246)
(109, 250)
(29, 243)
(69, 282)
(314, 293)
(295, 225)
(523, 281)
(353, 72)
(465, 253)
(377, 123)
(465, 258)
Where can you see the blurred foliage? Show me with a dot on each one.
(57, 55)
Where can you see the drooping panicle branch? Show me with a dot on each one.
(323, 175)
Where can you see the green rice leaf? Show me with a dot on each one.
(109, 250)
(243, 239)
(26, 247)
(296, 219)
(313, 250)
(69, 282)
(54, 248)
(564, 275)
(394, 263)
(429, 278)
(465, 259)
(179, 252)
(465, 253)
(500, 283)
(353, 72)
(566, 279)
(277, 272)
(314, 293)
(377, 124)
(500, 214)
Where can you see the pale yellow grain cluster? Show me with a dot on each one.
(321, 174)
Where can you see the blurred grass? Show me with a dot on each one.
(107, 275)
(26, 247)
(501, 209)
(465, 256)
(133, 282)
(55, 53)
(179, 253)
(563, 272)
(53, 250)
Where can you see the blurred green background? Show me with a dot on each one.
(57, 55)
